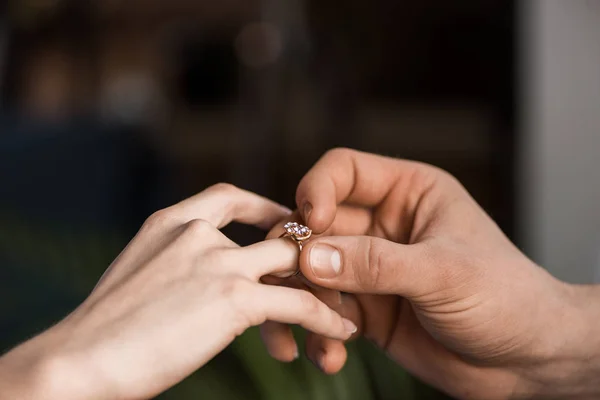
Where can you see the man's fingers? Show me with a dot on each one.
(349, 220)
(364, 264)
(279, 341)
(329, 355)
(380, 316)
(343, 175)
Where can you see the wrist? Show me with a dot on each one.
(25, 373)
(571, 334)
(38, 369)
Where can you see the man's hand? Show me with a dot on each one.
(438, 286)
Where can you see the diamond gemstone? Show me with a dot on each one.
(298, 230)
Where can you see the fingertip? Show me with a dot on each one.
(279, 341)
(317, 205)
(349, 326)
(332, 359)
(290, 355)
(321, 217)
(328, 355)
(307, 210)
(284, 357)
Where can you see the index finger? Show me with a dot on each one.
(223, 203)
(344, 175)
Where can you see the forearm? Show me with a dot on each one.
(573, 368)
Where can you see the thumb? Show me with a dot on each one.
(364, 264)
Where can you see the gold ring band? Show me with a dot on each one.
(298, 242)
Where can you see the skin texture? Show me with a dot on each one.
(429, 278)
(177, 295)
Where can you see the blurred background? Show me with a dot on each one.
(112, 109)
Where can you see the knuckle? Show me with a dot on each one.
(442, 173)
(224, 188)
(425, 175)
(371, 256)
(159, 219)
(218, 257)
(234, 288)
(236, 292)
(228, 193)
(431, 173)
(310, 304)
(445, 176)
(198, 227)
(339, 152)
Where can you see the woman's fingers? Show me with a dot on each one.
(292, 306)
(277, 256)
(194, 237)
(200, 215)
(223, 203)
(276, 336)
(218, 205)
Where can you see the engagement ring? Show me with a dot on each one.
(299, 233)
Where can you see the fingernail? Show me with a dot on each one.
(296, 354)
(325, 261)
(307, 210)
(321, 360)
(286, 210)
(349, 326)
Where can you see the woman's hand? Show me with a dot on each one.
(177, 295)
(438, 286)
